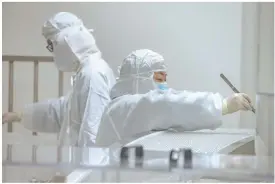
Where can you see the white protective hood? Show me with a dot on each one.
(136, 73)
(72, 41)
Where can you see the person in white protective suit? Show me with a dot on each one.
(76, 116)
(142, 102)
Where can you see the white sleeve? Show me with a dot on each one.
(93, 97)
(45, 116)
(187, 110)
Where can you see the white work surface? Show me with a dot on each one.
(204, 141)
(222, 141)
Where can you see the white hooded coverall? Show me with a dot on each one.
(137, 107)
(77, 115)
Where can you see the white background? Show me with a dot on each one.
(198, 41)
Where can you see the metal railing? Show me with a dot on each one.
(11, 59)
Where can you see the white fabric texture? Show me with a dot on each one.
(45, 116)
(72, 41)
(137, 107)
(136, 72)
(78, 115)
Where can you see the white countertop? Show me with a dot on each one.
(203, 141)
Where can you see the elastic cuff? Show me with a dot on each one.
(224, 107)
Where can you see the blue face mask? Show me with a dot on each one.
(162, 86)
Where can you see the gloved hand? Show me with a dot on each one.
(10, 117)
(236, 102)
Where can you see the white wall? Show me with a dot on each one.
(266, 49)
(265, 80)
(257, 66)
(198, 40)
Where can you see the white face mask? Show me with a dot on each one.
(64, 58)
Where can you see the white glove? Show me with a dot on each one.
(10, 117)
(236, 102)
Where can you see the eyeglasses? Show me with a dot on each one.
(49, 45)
